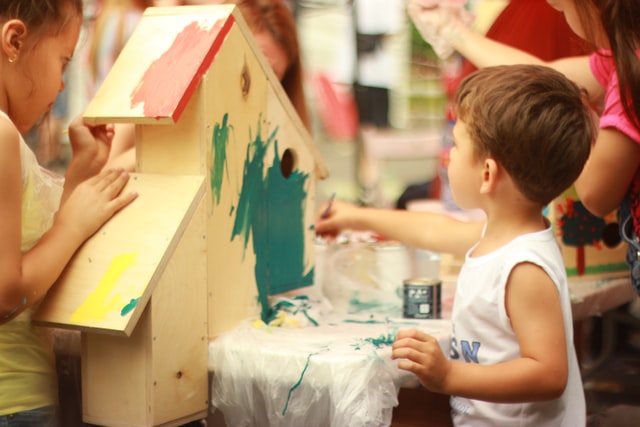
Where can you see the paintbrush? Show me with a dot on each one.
(327, 211)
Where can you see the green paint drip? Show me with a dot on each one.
(297, 384)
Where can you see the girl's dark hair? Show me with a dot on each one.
(620, 20)
(40, 15)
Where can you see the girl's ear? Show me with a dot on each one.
(14, 34)
(490, 172)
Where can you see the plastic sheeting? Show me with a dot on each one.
(339, 373)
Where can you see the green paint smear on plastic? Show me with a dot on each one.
(297, 384)
(383, 340)
(270, 209)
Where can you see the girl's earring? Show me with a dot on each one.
(12, 60)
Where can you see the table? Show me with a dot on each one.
(338, 373)
(321, 372)
(317, 375)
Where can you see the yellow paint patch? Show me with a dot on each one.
(101, 301)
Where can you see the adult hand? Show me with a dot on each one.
(439, 22)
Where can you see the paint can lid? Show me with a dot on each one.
(424, 281)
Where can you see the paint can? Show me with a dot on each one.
(421, 298)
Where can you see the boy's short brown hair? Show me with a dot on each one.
(533, 121)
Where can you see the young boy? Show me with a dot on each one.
(522, 137)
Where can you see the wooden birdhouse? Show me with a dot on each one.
(590, 245)
(225, 216)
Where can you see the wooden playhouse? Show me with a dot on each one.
(225, 216)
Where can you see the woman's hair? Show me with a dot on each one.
(41, 15)
(533, 121)
(275, 17)
(620, 20)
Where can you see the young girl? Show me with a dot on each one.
(37, 41)
(611, 77)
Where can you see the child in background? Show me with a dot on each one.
(36, 242)
(522, 137)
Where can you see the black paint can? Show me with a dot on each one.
(421, 298)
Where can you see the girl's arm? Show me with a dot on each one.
(484, 52)
(432, 231)
(539, 374)
(123, 150)
(605, 179)
(26, 277)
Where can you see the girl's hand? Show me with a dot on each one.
(90, 145)
(93, 202)
(422, 355)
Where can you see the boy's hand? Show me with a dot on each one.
(422, 355)
(334, 219)
(93, 202)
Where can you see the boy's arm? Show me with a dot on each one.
(541, 373)
(427, 230)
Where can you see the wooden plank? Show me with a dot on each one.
(178, 149)
(161, 65)
(289, 113)
(240, 121)
(180, 341)
(111, 277)
(159, 374)
(232, 281)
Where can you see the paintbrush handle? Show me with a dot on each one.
(327, 211)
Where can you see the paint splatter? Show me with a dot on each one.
(219, 162)
(384, 340)
(129, 307)
(102, 301)
(167, 85)
(270, 209)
